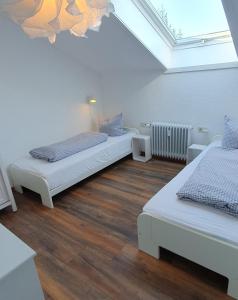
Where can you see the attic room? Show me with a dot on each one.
(119, 149)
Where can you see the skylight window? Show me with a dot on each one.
(188, 19)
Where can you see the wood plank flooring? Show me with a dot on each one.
(87, 245)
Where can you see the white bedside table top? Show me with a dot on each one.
(197, 147)
(13, 252)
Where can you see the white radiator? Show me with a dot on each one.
(171, 140)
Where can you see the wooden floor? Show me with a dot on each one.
(87, 245)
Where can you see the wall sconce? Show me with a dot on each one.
(92, 100)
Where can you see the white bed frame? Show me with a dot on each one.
(22, 178)
(38, 184)
(212, 253)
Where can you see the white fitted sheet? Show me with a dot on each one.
(91, 160)
(165, 205)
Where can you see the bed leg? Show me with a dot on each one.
(149, 248)
(233, 288)
(18, 188)
(145, 243)
(47, 200)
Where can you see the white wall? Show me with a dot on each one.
(136, 22)
(42, 94)
(197, 98)
(231, 10)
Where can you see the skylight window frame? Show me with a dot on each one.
(153, 17)
(208, 39)
(148, 10)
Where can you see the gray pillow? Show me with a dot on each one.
(230, 137)
(113, 126)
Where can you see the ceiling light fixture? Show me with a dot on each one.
(47, 18)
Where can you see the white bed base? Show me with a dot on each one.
(39, 184)
(210, 252)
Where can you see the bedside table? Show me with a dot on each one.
(18, 275)
(141, 148)
(194, 150)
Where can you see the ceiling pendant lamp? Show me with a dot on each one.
(47, 18)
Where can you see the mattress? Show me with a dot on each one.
(89, 161)
(207, 220)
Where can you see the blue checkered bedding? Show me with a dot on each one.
(61, 150)
(214, 181)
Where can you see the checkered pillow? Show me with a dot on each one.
(230, 137)
(113, 126)
(214, 181)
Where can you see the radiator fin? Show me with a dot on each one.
(171, 140)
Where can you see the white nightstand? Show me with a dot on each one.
(194, 150)
(18, 275)
(141, 148)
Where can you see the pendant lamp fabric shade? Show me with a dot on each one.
(46, 18)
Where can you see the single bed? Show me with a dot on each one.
(199, 233)
(49, 179)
